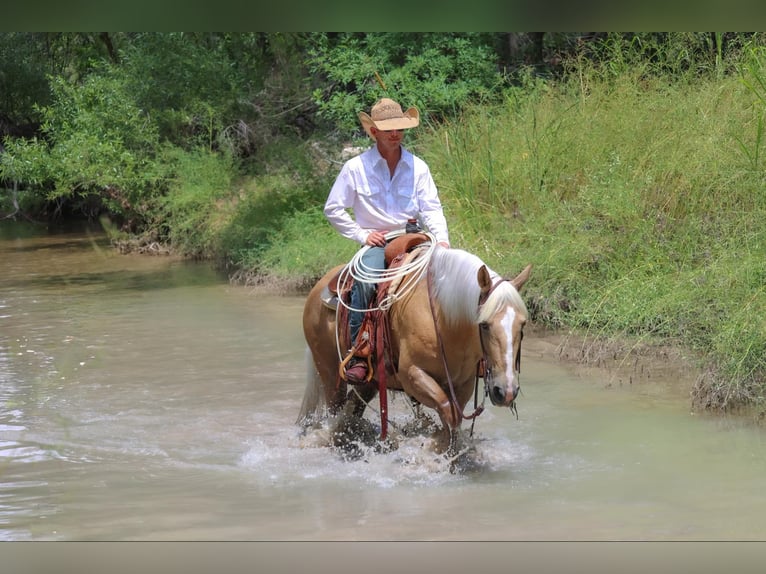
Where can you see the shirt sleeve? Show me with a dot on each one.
(340, 199)
(430, 205)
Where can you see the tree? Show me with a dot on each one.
(438, 72)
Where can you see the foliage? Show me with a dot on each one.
(96, 142)
(190, 211)
(264, 204)
(28, 60)
(225, 91)
(437, 72)
(188, 84)
(293, 261)
(23, 82)
(753, 76)
(105, 128)
(678, 55)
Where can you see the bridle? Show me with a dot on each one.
(484, 371)
(483, 367)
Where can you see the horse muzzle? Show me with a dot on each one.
(503, 395)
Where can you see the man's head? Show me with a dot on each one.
(387, 115)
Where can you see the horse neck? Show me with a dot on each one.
(454, 289)
(454, 314)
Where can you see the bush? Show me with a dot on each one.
(289, 184)
(193, 210)
(97, 144)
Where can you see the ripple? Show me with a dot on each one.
(22, 453)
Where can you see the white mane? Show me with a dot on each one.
(456, 287)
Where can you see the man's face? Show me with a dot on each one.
(388, 138)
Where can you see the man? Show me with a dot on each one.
(384, 186)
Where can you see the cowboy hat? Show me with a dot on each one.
(386, 114)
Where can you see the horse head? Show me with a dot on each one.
(502, 317)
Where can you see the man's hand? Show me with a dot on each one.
(377, 239)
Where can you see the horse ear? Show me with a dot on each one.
(522, 277)
(485, 281)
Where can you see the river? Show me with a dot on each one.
(146, 398)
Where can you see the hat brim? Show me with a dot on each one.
(410, 119)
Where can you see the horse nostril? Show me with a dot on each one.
(498, 395)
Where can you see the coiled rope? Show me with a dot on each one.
(413, 271)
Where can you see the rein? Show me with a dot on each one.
(481, 367)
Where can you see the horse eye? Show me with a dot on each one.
(484, 326)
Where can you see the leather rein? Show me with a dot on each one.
(483, 369)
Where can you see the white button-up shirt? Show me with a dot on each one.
(381, 202)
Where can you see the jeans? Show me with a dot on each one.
(361, 293)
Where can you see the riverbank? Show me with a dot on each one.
(627, 361)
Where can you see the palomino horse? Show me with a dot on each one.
(460, 321)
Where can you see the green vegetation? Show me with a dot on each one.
(639, 201)
(627, 168)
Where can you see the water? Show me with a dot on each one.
(145, 398)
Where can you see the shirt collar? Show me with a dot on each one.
(376, 157)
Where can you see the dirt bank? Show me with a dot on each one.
(627, 361)
(624, 361)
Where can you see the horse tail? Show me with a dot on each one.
(313, 397)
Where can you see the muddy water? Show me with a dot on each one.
(145, 398)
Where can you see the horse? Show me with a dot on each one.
(459, 322)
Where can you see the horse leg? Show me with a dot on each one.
(358, 398)
(350, 428)
(423, 388)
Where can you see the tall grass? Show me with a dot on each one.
(641, 202)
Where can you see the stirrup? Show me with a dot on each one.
(347, 360)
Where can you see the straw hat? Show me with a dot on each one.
(386, 114)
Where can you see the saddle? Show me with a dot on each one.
(403, 244)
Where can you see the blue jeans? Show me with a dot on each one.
(361, 292)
